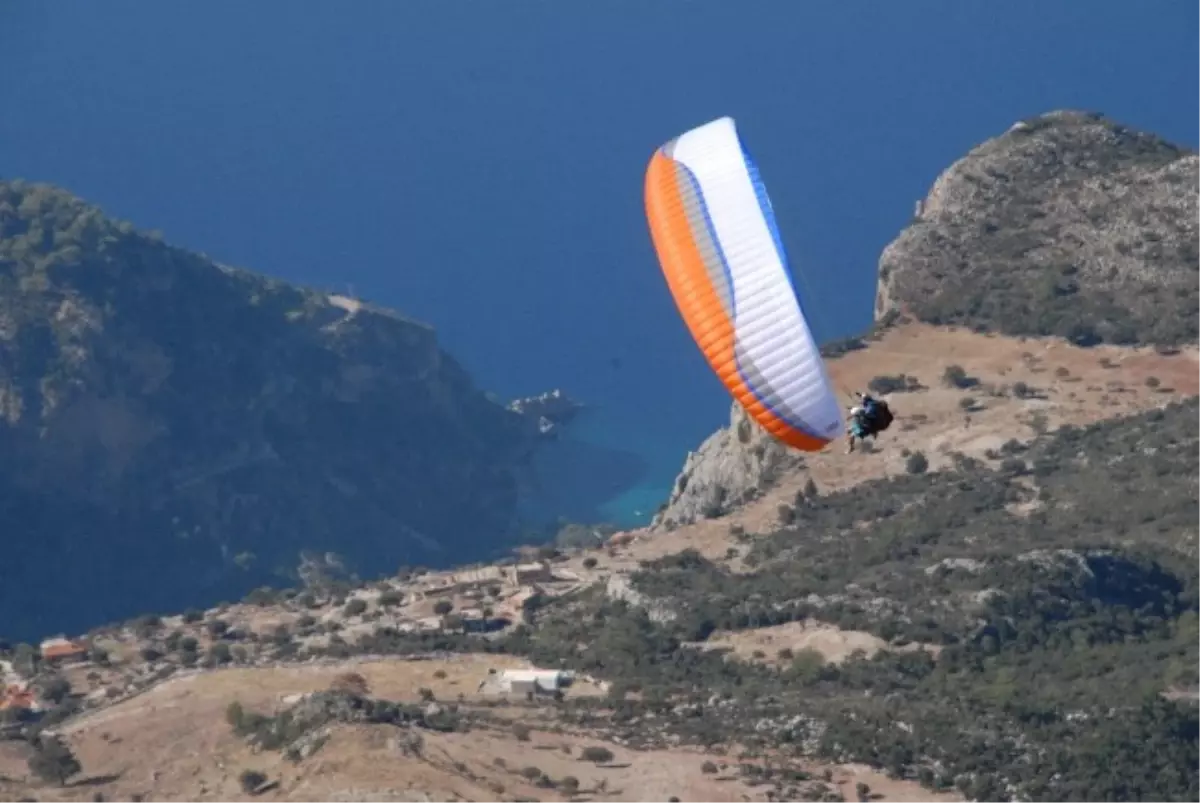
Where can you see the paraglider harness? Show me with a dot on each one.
(876, 417)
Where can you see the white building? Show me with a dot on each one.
(530, 681)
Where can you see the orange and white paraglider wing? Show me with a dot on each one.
(719, 248)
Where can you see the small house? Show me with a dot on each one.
(533, 681)
(474, 621)
(522, 687)
(57, 651)
(526, 573)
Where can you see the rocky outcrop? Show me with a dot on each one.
(304, 725)
(618, 588)
(175, 431)
(730, 468)
(548, 412)
(1068, 224)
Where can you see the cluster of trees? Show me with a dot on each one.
(1043, 620)
(1059, 629)
(345, 703)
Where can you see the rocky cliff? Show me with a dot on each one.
(1068, 224)
(730, 468)
(171, 429)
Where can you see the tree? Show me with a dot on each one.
(355, 607)
(916, 463)
(98, 655)
(351, 683)
(219, 653)
(53, 760)
(55, 688)
(862, 790)
(597, 755)
(443, 607)
(235, 715)
(810, 489)
(955, 376)
(883, 385)
(250, 780)
(807, 665)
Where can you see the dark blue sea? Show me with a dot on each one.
(479, 165)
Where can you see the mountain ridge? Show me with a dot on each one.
(802, 573)
(156, 406)
(1067, 224)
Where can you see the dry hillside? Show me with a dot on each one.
(163, 733)
(173, 743)
(1018, 386)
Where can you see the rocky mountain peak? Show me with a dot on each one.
(1067, 224)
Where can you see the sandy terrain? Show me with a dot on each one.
(173, 743)
(834, 644)
(933, 422)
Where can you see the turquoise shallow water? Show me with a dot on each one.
(635, 507)
(661, 452)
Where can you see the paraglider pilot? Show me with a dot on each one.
(863, 418)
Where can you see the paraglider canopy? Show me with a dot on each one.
(720, 251)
